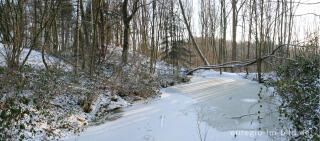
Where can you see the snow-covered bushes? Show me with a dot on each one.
(137, 82)
(298, 86)
(36, 103)
(26, 109)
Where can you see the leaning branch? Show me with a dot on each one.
(190, 33)
(239, 63)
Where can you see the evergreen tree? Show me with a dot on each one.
(175, 49)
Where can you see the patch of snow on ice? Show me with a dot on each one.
(249, 100)
(165, 95)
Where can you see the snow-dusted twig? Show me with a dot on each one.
(204, 129)
(243, 116)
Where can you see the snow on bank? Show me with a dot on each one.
(34, 59)
(63, 115)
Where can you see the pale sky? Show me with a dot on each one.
(303, 23)
(308, 22)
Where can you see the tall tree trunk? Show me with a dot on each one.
(78, 39)
(249, 34)
(56, 36)
(125, 42)
(46, 36)
(234, 30)
(63, 35)
(259, 63)
(86, 38)
(152, 53)
(224, 38)
(257, 38)
(102, 29)
(92, 51)
(290, 27)
(126, 18)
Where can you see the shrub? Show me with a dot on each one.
(299, 87)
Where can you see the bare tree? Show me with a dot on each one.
(76, 67)
(152, 53)
(234, 30)
(126, 18)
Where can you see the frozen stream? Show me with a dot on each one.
(212, 108)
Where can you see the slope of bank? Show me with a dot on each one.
(36, 103)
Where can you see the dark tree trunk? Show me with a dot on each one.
(234, 31)
(126, 18)
(125, 42)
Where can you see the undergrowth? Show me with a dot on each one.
(298, 85)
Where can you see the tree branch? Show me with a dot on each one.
(240, 64)
(192, 38)
(135, 9)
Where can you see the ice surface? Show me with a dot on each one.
(223, 107)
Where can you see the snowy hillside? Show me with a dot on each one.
(34, 59)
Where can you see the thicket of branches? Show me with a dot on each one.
(81, 31)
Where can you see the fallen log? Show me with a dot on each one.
(239, 63)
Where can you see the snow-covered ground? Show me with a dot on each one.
(34, 59)
(210, 107)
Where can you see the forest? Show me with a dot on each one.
(70, 66)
